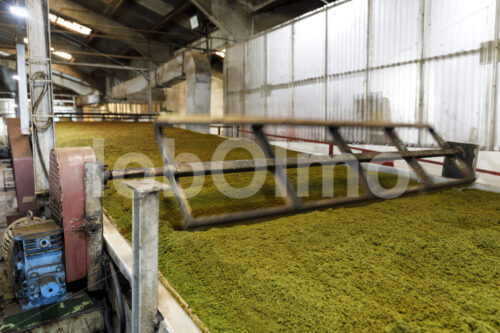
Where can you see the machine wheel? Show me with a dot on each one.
(114, 312)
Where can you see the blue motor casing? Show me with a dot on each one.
(38, 263)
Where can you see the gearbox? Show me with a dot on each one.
(34, 249)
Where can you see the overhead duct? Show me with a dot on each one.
(191, 66)
(72, 84)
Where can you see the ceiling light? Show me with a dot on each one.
(70, 25)
(4, 54)
(221, 53)
(25, 40)
(64, 55)
(18, 11)
(194, 22)
(15, 77)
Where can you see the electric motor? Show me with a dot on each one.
(33, 248)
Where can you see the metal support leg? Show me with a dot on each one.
(169, 173)
(278, 171)
(412, 161)
(145, 208)
(93, 214)
(342, 145)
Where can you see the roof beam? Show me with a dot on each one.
(227, 15)
(171, 15)
(158, 6)
(99, 22)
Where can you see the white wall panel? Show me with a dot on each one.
(393, 98)
(254, 63)
(254, 104)
(279, 55)
(309, 47)
(394, 60)
(347, 32)
(457, 94)
(346, 95)
(457, 25)
(394, 31)
(279, 101)
(309, 104)
(235, 67)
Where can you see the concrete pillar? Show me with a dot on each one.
(145, 210)
(38, 31)
(198, 87)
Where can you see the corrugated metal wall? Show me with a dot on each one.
(393, 60)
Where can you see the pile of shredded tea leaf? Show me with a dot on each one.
(426, 262)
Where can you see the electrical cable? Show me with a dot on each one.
(35, 121)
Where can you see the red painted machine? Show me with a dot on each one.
(67, 204)
(22, 165)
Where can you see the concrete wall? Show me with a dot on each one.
(176, 96)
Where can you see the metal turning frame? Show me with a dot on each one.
(173, 172)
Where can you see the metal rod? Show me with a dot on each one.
(80, 114)
(238, 120)
(240, 166)
(268, 212)
(342, 145)
(99, 65)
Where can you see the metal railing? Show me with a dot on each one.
(106, 116)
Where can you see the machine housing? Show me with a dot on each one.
(36, 260)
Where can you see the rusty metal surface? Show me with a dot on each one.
(67, 203)
(22, 164)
